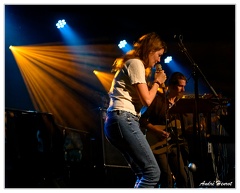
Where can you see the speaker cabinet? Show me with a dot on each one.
(32, 148)
(111, 155)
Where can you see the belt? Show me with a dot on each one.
(119, 112)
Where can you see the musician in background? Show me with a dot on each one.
(164, 134)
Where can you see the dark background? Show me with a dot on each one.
(208, 32)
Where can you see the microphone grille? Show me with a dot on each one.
(158, 67)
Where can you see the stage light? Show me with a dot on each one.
(95, 72)
(122, 44)
(105, 78)
(168, 59)
(61, 23)
(67, 69)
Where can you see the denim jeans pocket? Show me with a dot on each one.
(112, 130)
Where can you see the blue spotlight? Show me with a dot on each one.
(61, 23)
(122, 44)
(168, 59)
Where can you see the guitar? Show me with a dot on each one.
(160, 146)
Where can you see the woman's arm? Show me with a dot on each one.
(147, 95)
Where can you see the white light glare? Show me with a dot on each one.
(61, 23)
(168, 59)
(122, 44)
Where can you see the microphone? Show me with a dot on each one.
(175, 36)
(178, 37)
(158, 69)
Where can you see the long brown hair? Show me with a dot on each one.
(141, 49)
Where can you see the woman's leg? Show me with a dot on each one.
(123, 131)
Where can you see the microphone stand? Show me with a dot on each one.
(166, 124)
(195, 67)
(196, 72)
(174, 132)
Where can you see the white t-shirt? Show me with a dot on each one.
(123, 94)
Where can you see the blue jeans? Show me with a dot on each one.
(122, 130)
